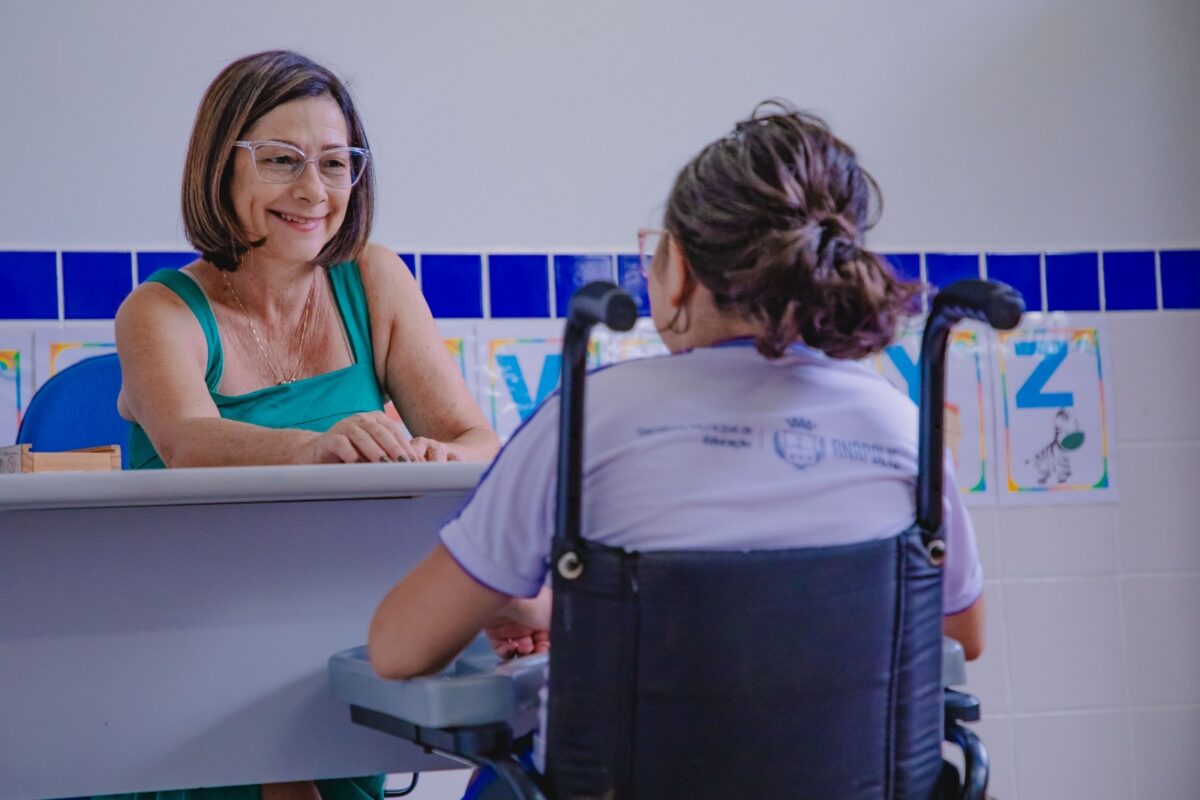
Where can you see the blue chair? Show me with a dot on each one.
(77, 408)
(826, 683)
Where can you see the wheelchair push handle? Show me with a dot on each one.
(992, 302)
(997, 304)
(601, 302)
(595, 303)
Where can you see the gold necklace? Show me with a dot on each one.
(279, 377)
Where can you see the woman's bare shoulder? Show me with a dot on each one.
(378, 263)
(155, 309)
(386, 279)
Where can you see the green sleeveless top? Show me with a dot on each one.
(311, 404)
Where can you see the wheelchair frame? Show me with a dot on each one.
(477, 707)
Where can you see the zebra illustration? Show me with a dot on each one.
(1053, 461)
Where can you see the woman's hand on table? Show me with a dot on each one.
(370, 437)
(433, 450)
(373, 436)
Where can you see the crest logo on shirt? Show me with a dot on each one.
(800, 449)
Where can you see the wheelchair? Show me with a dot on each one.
(829, 683)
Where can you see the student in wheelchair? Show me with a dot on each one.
(761, 433)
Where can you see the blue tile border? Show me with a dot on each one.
(1180, 270)
(1022, 271)
(151, 261)
(943, 269)
(519, 285)
(1129, 281)
(410, 261)
(537, 284)
(95, 283)
(28, 284)
(905, 265)
(573, 271)
(1073, 281)
(453, 284)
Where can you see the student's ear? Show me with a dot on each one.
(678, 278)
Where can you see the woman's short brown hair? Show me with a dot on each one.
(237, 98)
(771, 220)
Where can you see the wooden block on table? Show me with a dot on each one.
(20, 458)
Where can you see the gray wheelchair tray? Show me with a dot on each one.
(478, 688)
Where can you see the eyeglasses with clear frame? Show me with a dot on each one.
(280, 162)
(649, 240)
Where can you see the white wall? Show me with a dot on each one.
(1091, 680)
(1024, 125)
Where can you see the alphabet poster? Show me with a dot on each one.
(521, 370)
(459, 338)
(1055, 414)
(59, 348)
(642, 341)
(16, 381)
(968, 429)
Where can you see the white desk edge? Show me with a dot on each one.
(209, 486)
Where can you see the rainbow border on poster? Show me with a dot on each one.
(494, 346)
(628, 347)
(456, 346)
(10, 361)
(58, 348)
(970, 340)
(1074, 336)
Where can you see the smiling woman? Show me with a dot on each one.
(284, 340)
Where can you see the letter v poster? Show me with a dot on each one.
(522, 366)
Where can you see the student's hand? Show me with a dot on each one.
(369, 436)
(522, 626)
(512, 639)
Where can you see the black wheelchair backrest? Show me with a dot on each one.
(797, 673)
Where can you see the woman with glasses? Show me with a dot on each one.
(761, 430)
(283, 342)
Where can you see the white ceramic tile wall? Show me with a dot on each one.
(1159, 516)
(1164, 750)
(1091, 679)
(1099, 679)
(1156, 375)
(1086, 755)
(1162, 626)
(1065, 649)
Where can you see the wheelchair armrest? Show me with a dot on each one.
(477, 689)
(960, 707)
(954, 663)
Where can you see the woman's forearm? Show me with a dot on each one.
(216, 442)
(475, 444)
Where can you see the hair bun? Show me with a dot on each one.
(833, 238)
(772, 221)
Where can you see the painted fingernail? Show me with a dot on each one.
(384, 460)
(403, 459)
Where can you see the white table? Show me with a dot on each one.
(170, 629)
